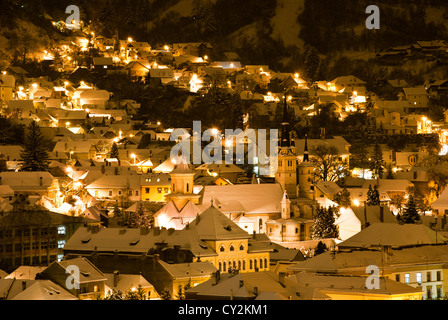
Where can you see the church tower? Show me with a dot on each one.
(305, 169)
(182, 182)
(286, 174)
(286, 207)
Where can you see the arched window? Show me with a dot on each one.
(255, 264)
(261, 263)
(265, 263)
(239, 264)
(251, 264)
(222, 249)
(232, 248)
(244, 265)
(220, 266)
(241, 247)
(234, 264)
(224, 267)
(188, 187)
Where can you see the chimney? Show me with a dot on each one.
(144, 231)
(95, 229)
(381, 213)
(281, 278)
(116, 278)
(216, 277)
(256, 291)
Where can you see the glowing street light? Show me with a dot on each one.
(133, 156)
(356, 202)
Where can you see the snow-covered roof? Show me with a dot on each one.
(220, 168)
(25, 273)
(116, 181)
(127, 282)
(248, 198)
(44, 290)
(394, 235)
(442, 202)
(389, 185)
(189, 270)
(415, 91)
(212, 224)
(338, 142)
(26, 179)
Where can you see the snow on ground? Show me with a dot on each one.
(284, 23)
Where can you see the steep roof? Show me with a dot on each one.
(44, 290)
(442, 201)
(25, 272)
(212, 224)
(189, 270)
(394, 235)
(134, 241)
(331, 262)
(248, 198)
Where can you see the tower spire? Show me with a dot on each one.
(306, 156)
(285, 138)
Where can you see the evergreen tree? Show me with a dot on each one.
(324, 224)
(114, 151)
(166, 295)
(35, 153)
(237, 112)
(139, 218)
(342, 198)
(311, 64)
(320, 248)
(377, 165)
(411, 214)
(322, 71)
(373, 196)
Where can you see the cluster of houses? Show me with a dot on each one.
(215, 233)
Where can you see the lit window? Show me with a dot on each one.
(406, 278)
(419, 277)
(61, 230)
(61, 244)
(60, 257)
